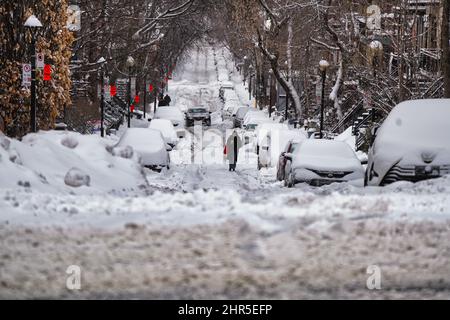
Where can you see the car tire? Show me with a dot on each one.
(290, 181)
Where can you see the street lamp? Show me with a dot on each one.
(130, 64)
(270, 92)
(102, 63)
(250, 68)
(376, 48)
(33, 23)
(323, 66)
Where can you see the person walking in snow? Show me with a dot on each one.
(234, 143)
(162, 101)
(167, 100)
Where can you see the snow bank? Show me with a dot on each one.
(46, 161)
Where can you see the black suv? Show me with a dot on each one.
(198, 114)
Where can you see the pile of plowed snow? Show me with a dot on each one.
(66, 162)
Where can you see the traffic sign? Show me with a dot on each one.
(40, 60)
(26, 74)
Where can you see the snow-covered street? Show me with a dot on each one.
(200, 231)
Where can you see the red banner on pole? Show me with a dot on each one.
(47, 72)
(113, 91)
(150, 88)
(136, 99)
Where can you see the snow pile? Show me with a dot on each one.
(59, 161)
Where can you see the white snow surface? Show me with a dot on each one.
(200, 231)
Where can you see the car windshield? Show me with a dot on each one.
(197, 110)
(251, 126)
(325, 148)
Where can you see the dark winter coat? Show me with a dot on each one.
(167, 100)
(234, 143)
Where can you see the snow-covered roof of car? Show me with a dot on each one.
(150, 139)
(418, 121)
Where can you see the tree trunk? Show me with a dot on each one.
(445, 47)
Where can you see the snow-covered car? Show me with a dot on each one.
(282, 160)
(149, 144)
(173, 114)
(268, 143)
(167, 130)
(239, 116)
(226, 85)
(412, 144)
(255, 117)
(320, 162)
(274, 144)
(198, 114)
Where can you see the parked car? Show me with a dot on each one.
(167, 130)
(319, 162)
(198, 114)
(267, 140)
(149, 144)
(239, 116)
(173, 114)
(412, 144)
(224, 87)
(253, 119)
(282, 160)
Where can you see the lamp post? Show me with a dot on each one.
(377, 49)
(102, 62)
(33, 23)
(250, 82)
(130, 64)
(270, 93)
(245, 69)
(323, 66)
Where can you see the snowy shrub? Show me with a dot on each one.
(123, 152)
(76, 178)
(69, 142)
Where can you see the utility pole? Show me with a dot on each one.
(145, 93)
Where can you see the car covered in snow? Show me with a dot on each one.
(173, 114)
(149, 144)
(198, 114)
(167, 130)
(268, 143)
(412, 144)
(320, 162)
(253, 119)
(226, 85)
(290, 147)
(240, 115)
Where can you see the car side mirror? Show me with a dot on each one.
(373, 135)
(168, 148)
(288, 156)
